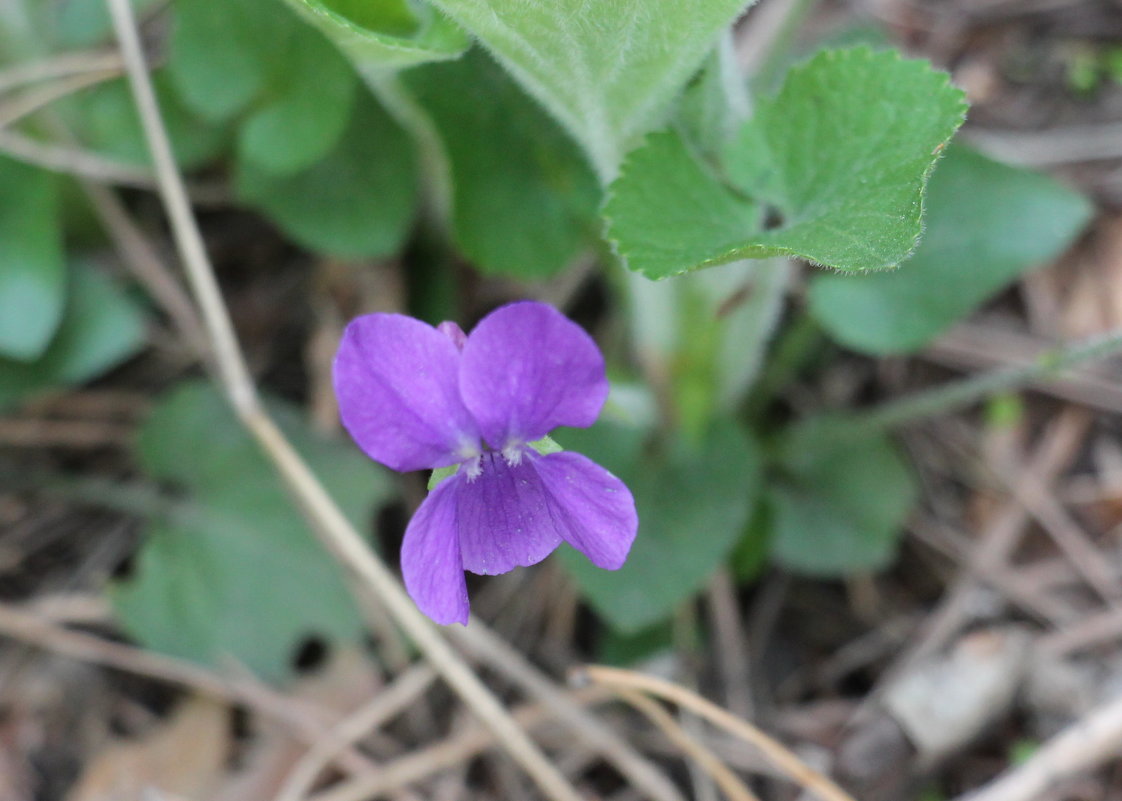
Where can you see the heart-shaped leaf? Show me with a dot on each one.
(987, 223)
(831, 170)
(839, 503)
(234, 573)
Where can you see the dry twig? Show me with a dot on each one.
(1080, 747)
(306, 721)
(455, 750)
(389, 702)
(776, 752)
(728, 781)
(329, 522)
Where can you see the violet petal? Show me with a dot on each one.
(504, 517)
(396, 379)
(526, 369)
(430, 557)
(594, 509)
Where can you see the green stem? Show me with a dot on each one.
(436, 169)
(959, 394)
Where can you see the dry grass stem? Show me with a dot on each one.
(454, 751)
(306, 721)
(795, 769)
(329, 522)
(406, 688)
(718, 771)
(16, 108)
(1082, 746)
(490, 649)
(996, 544)
(74, 161)
(60, 66)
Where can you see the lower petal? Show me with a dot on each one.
(430, 557)
(594, 509)
(504, 517)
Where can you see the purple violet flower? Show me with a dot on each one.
(413, 397)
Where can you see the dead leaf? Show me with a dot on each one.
(347, 681)
(183, 758)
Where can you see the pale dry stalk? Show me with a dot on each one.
(778, 754)
(328, 520)
(1082, 746)
(718, 771)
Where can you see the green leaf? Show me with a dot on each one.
(385, 35)
(105, 117)
(234, 575)
(257, 58)
(306, 106)
(839, 157)
(219, 54)
(668, 213)
(32, 268)
(607, 69)
(693, 504)
(358, 202)
(524, 198)
(838, 508)
(100, 328)
(987, 223)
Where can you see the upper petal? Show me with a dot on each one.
(430, 557)
(396, 379)
(526, 369)
(504, 517)
(594, 510)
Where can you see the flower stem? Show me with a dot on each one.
(959, 394)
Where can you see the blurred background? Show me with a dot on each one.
(913, 614)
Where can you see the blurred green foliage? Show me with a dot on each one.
(232, 571)
(369, 131)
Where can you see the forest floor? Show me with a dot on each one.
(998, 628)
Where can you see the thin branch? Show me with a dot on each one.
(451, 752)
(490, 649)
(1082, 746)
(388, 703)
(16, 108)
(58, 67)
(718, 771)
(74, 161)
(139, 256)
(339, 536)
(305, 721)
(146, 265)
(957, 395)
(776, 752)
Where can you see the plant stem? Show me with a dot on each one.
(959, 394)
(338, 534)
